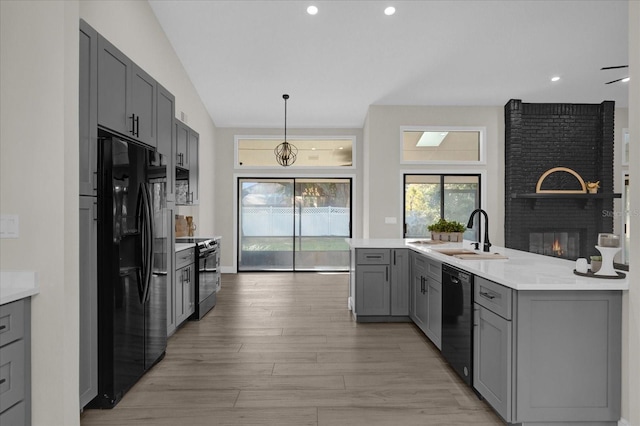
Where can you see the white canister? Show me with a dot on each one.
(582, 266)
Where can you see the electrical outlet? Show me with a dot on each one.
(9, 226)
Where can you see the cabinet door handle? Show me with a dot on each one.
(2, 381)
(138, 125)
(386, 273)
(371, 256)
(394, 257)
(133, 125)
(2, 327)
(487, 295)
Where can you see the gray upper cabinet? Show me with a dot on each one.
(143, 106)
(166, 136)
(126, 95)
(182, 143)
(187, 164)
(194, 183)
(88, 134)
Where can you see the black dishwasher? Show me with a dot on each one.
(457, 320)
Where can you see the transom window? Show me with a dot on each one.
(257, 152)
(462, 145)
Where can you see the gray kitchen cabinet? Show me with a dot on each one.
(171, 278)
(88, 107)
(15, 369)
(187, 163)
(182, 144)
(400, 282)
(373, 290)
(433, 328)
(184, 302)
(194, 178)
(426, 296)
(126, 95)
(381, 284)
(418, 296)
(166, 136)
(548, 356)
(88, 295)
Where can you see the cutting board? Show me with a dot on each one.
(181, 226)
(483, 256)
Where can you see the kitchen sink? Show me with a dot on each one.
(455, 251)
(470, 254)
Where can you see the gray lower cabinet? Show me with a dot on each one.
(548, 357)
(88, 295)
(184, 302)
(382, 284)
(426, 296)
(15, 363)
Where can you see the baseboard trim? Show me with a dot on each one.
(623, 422)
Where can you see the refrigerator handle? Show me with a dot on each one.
(147, 242)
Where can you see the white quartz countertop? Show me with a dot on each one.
(521, 271)
(15, 285)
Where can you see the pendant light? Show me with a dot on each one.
(286, 153)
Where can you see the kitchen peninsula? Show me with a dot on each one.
(546, 343)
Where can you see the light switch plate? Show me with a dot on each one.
(390, 220)
(9, 226)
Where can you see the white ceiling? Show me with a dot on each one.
(243, 55)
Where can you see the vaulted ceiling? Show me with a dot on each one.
(243, 55)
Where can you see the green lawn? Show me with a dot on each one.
(287, 244)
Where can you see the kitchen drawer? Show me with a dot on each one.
(185, 258)
(373, 256)
(11, 322)
(493, 296)
(12, 374)
(14, 416)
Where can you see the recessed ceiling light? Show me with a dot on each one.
(556, 78)
(390, 11)
(312, 10)
(624, 80)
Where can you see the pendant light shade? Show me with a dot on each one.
(286, 153)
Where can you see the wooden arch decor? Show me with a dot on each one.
(560, 191)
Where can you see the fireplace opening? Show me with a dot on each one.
(557, 243)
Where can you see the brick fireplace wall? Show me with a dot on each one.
(539, 137)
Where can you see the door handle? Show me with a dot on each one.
(487, 295)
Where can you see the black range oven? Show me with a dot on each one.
(208, 276)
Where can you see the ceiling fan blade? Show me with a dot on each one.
(613, 68)
(615, 81)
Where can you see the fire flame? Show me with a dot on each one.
(557, 248)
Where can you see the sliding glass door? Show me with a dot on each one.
(293, 224)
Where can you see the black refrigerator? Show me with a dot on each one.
(132, 265)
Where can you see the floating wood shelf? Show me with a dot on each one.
(585, 198)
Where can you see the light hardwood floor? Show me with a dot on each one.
(282, 349)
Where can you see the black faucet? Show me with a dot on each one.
(486, 244)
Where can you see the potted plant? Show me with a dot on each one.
(444, 230)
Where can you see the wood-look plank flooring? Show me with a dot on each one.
(282, 349)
